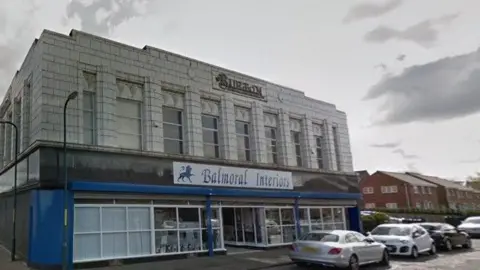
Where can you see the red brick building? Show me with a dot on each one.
(453, 195)
(398, 190)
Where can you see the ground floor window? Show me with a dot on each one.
(115, 231)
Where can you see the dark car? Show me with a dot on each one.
(446, 236)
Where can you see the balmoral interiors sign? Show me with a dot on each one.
(234, 177)
(224, 82)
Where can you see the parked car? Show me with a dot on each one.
(446, 236)
(471, 225)
(337, 248)
(404, 239)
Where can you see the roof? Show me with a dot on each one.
(442, 182)
(407, 225)
(409, 179)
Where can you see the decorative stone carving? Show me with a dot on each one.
(270, 120)
(295, 125)
(210, 107)
(317, 130)
(242, 114)
(173, 99)
(129, 90)
(89, 81)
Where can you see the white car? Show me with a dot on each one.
(471, 226)
(404, 239)
(337, 248)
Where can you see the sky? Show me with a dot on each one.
(406, 72)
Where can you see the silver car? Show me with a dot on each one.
(471, 226)
(338, 248)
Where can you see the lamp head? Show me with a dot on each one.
(73, 95)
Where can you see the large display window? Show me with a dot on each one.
(121, 231)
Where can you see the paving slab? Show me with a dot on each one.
(7, 264)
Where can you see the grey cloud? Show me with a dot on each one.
(102, 16)
(412, 167)
(404, 155)
(386, 145)
(470, 161)
(371, 10)
(14, 48)
(401, 57)
(440, 90)
(424, 33)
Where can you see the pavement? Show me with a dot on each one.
(277, 259)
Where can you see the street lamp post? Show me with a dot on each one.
(71, 96)
(14, 210)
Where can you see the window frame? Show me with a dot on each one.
(272, 143)
(180, 125)
(216, 146)
(319, 148)
(246, 151)
(140, 135)
(297, 146)
(93, 112)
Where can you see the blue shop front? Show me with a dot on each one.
(127, 207)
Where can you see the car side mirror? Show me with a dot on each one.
(415, 235)
(369, 240)
(368, 233)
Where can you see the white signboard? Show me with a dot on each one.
(185, 173)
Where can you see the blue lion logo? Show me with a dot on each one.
(186, 172)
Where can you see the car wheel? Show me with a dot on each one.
(433, 249)
(414, 253)
(385, 259)
(468, 243)
(448, 245)
(353, 263)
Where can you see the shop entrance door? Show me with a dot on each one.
(244, 226)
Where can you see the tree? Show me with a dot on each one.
(473, 181)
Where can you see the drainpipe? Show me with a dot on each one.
(407, 196)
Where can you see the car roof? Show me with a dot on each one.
(336, 232)
(407, 225)
(475, 217)
(431, 223)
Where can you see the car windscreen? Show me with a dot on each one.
(472, 221)
(320, 237)
(431, 227)
(391, 230)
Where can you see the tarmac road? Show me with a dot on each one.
(457, 259)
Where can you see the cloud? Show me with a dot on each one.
(101, 17)
(445, 89)
(412, 167)
(470, 161)
(16, 36)
(404, 155)
(371, 10)
(386, 145)
(424, 33)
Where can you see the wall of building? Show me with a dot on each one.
(92, 64)
(380, 199)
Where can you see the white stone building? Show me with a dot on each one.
(125, 92)
(167, 155)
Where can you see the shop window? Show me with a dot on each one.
(272, 224)
(297, 147)
(216, 229)
(211, 145)
(315, 219)
(288, 225)
(319, 151)
(327, 218)
(243, 140)
(111, 232)
(129, 123)
(304, 220)
(271, 141)
(173, 130)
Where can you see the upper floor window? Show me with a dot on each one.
(129, 114)
(173, 130)
(424, 190)
(297, 147)
(243, 140)
(389, 189)
(368, 190)
(270, 121)
(129, 123)
(459, 194)
(211, 146)
(415, 189)
(429, 190)
(319, 151)
(89, 118)
(336, 146)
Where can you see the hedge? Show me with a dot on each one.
(443, 212)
